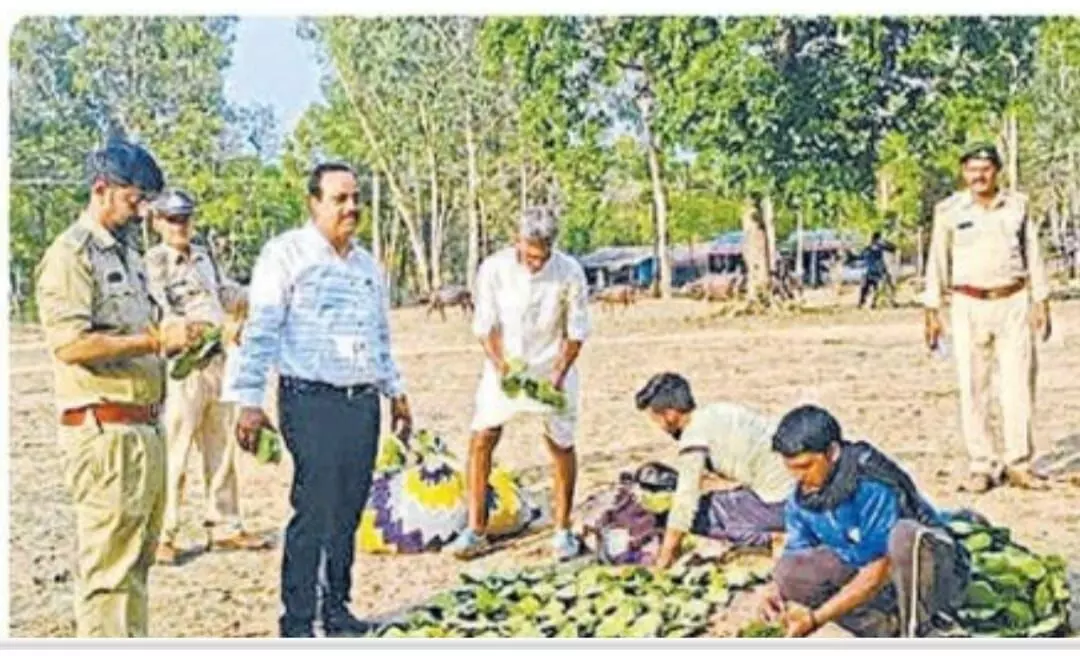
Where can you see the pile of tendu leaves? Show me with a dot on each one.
(517, 382)
(1013, 592)
(583, 601)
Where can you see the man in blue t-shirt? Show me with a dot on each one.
(864, 548)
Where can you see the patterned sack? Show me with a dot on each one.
(626, 524)
(417, 501)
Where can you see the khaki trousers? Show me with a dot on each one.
(985, 331)
(115, 474)
(194, 416)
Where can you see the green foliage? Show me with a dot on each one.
(852, 122)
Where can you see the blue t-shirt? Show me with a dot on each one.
(857, 530)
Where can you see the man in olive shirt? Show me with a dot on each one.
(985, 250)
(729, 441)
(97, 315)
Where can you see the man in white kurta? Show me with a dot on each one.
(532, 306)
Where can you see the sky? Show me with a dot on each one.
(272, 65)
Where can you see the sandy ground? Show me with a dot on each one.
(870, 369)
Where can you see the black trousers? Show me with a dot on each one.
(332, 434)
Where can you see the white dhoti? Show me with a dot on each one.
(494, 408)
(535, 315)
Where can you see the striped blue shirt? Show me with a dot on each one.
(315, 315)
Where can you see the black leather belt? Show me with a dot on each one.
(316, 386)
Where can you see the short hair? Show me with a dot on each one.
(806, 429)
(665, 391)
(876, 236)
(124, 163)
(314, 184)
(539, 224)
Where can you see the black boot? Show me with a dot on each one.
(340, 623)
(290, 628)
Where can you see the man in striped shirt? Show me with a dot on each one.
(732, 443)
(319, 314)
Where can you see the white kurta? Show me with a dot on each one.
(528, 311)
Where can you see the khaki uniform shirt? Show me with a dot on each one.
(983, 247)
(190, 285)
(89, 282)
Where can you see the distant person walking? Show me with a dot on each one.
(877, 273)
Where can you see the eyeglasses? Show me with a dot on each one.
(177, 220)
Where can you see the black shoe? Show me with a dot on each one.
(343, 625)
(295, 629)
(943, 625)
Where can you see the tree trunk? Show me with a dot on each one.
(1073, 191)
(755, 252)
(483, 229)
(919, 252)
(799, 222)
(376, 231)
(654, 284)
(524, 190)
(436, 225)
(883, 194)
(1053, 216)
(392, 251)
(768, 217)
(402, 262)
(1014, 154)
(421, 248)
(472, 257)
(396, 192)
(660, 204)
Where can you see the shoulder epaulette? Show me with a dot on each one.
(77, 235)
(948, 202)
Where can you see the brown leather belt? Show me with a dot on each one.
(992, 294)
(111, 413)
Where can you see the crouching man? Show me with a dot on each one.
(864, 548)
(731, 443)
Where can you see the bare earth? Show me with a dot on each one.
(870, 369)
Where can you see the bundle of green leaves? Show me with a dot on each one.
(517, 381)
(198, 355)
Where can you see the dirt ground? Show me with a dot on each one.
(869, 368)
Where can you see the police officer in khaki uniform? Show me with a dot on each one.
(186, 282)
(985, 251)
(109, 377)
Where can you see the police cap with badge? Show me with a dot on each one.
(985, 151)
(174, 203)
